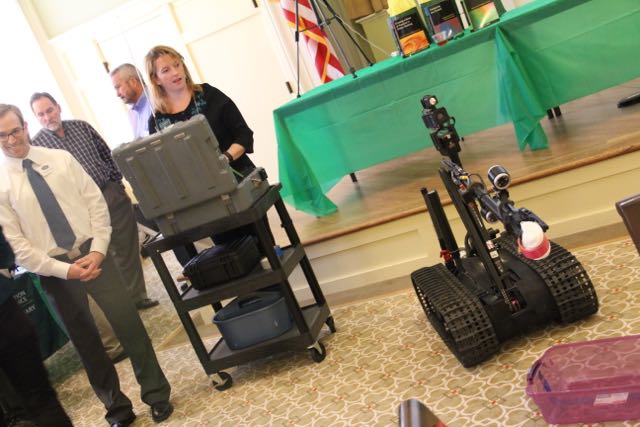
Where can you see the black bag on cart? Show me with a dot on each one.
(222, 263)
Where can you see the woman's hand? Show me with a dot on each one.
(235, 150)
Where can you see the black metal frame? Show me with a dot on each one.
(308, 320)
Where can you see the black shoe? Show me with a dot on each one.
(161, 411)
(126, 422)
(146, 303)
(120, 357)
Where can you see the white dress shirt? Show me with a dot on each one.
(26, 228)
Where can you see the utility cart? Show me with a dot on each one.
(307, 321)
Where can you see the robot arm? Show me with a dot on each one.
(520, 222)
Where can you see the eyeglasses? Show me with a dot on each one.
(16, 133)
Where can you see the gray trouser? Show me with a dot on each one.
(70, 299)
(108, 337)
(124, 239)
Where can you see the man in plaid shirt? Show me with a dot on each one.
(85, 144)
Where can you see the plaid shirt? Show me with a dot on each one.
(87, 146)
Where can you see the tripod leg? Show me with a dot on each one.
(334, 15)
(629, 100)
(324, 23)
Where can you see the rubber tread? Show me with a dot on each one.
(566, 279)
(456, 314)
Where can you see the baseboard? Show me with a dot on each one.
(363, 293)
(595, 236)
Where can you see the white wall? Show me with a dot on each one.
(230, 44)
(24, 68)
(66, 14)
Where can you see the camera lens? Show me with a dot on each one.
(429, 101)
(499, 177)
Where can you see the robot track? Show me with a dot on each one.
(456, 314)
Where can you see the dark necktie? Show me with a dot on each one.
(58, 223)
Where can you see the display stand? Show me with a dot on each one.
(307, 321)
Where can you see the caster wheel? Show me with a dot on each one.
(222, 381)
(318, 352)
(331, 324)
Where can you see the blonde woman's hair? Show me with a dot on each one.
(158, 94)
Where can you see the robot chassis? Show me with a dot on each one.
(488, 292)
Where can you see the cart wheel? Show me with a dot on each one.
(221, 381)
(331, 324)
(318, 352)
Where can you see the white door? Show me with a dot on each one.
(233, 51)
(225, 43)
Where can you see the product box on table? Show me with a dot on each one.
(252, 319)
(222, 263)
(588, 382)
(182, 180)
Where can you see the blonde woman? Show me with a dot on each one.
(175, 97)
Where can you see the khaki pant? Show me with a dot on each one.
(108, 337)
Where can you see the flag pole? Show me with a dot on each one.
(297, 38)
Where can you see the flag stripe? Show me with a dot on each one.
(326, 63)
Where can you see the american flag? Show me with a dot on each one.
(326, 62)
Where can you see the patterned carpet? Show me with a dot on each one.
(384, 352)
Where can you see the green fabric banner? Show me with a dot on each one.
(536, 57)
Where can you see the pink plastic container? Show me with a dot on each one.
(588, 382)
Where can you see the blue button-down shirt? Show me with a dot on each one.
(139, 116)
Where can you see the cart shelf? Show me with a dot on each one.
(307, 321)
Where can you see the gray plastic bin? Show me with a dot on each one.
(252, 319)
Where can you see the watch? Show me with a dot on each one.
(229, 156)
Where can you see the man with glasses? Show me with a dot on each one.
(85, 144)
(57, 222)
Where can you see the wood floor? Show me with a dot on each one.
(590, 129)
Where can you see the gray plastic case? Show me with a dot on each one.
(252, 319)
(182, 180)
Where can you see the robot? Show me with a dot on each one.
(501, 284)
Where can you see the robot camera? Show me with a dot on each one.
(499, 177)
(429, 102)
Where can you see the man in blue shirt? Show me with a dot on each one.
(128, 84)
(127, 81)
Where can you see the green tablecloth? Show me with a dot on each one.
(538, 56)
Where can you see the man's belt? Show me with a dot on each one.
(83, 249)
